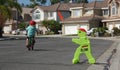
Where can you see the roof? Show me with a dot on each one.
(26, 10)
(67, 6)
(82, 19)
(97, 4)
(60, 6)
(49, 8)
(111, 19)
(115, 0)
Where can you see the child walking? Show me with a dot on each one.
(31, 30)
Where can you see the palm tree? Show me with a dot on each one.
(6, 12)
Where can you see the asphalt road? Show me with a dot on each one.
(49, 54)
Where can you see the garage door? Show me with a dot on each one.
(6, 29)
(117, 25)
(71, 29)
(110, 26)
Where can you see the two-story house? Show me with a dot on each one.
(88, 15)
(57, 12)
(113, 19)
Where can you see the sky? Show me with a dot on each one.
(26, 2)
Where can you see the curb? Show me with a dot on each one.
(2, 39)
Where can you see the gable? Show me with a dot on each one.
(109, 1)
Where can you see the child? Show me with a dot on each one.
(31, 30)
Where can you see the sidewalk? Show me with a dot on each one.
(116, 59)
(112, 54)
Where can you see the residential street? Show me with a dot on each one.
(51, 53)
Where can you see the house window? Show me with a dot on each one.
(117, 8)
(76, 13)
(105, 12)
(50, 14)
(113, 9)
(37, 15)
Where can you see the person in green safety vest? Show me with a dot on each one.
(84, 47)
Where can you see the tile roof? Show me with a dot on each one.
(49, 8)
(97, 4)
(82, 19)
(60, 6)
(26, 10)
(115, 0)
(111, 19)
(67, 6)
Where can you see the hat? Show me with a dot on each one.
(82, 29)
(32, 22)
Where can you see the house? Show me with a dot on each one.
(13, 23)
(55, 12)
(113, 19)
(88, 15)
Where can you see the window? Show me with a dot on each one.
(37, 11)
(117, 7)
(37, 15)
(76, 13)
(50, 14)
(113, 9)
(105, 12)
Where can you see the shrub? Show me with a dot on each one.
(116, 31)
(49, 33)
(107, 34)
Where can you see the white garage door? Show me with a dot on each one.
(110, 26)
(6, 29)
(117, 25)
(71, 29)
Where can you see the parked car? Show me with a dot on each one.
(24, 32)
(16, 32)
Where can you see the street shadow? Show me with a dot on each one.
(86, 61)
(42, 50)
(98, 63)
(83, 62)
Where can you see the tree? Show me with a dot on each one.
(82, 1)
(22, 25)
(36, 2)
(52, 25)
(45, 23)
(55, 1)
(6, 11)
